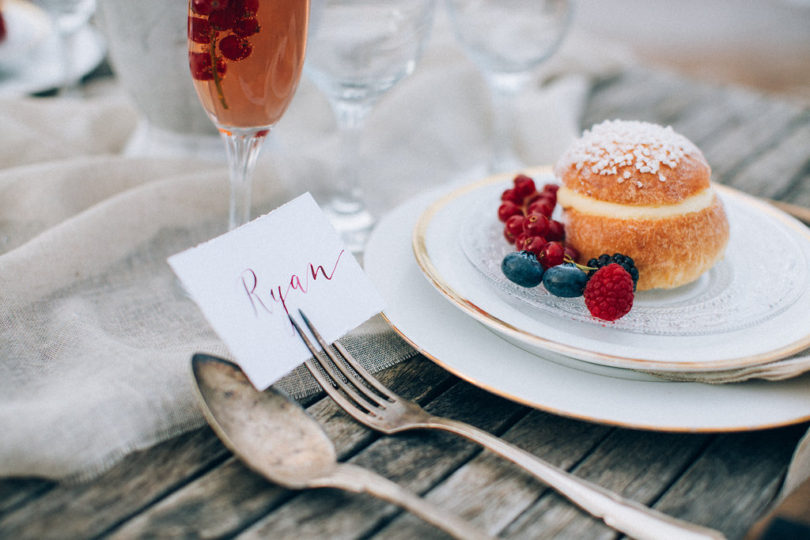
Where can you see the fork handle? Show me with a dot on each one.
(627, 516)
(359, 480)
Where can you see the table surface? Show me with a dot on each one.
(191, 486)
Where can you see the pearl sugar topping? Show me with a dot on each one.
(621, 143)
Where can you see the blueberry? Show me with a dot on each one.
(565, 280)
(523, 268)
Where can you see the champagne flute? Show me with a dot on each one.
(358, 50)
(507, 40)
(246, 58)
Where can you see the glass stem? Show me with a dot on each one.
(242, 149)
(504, 88)
(351, 118)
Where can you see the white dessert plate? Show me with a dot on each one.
(461, 345)
(752, 308)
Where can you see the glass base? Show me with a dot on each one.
(353, 227)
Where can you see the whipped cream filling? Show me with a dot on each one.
(569, 198)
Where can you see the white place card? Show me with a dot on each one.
(247, 281)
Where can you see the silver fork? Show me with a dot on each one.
(369, 402)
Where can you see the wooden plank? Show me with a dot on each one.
(731, 484)
(15, 492)
(231, 497)
(635, 464)
(776, 171)
(491, 492)
(637, 95)
(89, 509)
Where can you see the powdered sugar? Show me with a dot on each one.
(614, 144)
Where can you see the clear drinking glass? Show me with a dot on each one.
(358, 50)
(147, 43)
(507, 40)
(246, 58)
(68, 16)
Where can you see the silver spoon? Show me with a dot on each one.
(275, 437)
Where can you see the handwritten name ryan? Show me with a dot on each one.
(264, 298)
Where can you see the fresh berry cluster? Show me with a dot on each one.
(607, 282)
(526, 214)
(224, 27)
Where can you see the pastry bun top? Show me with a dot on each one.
(634, 163)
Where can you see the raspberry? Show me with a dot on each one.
(609, 293)
(623, 260)
(235, 48)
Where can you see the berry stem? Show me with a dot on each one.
(580, 266)
(212, 49)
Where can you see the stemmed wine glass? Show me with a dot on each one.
(68, 16)
(507, 40)
(358, 50)
(246, 58)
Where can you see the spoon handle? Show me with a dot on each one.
(359, 480)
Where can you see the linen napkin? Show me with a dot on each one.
(95, 334)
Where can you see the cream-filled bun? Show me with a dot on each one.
(643, 190)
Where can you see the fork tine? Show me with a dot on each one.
(331, 386)
(378, 400)
(367, 377)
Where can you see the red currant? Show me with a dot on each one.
(551, 188)
(571, 253)
(206, 7)
(556, 230)
(508, 209)
(524, 186)
(235, 48)
(246, 27)
(512, 196)
(536, 225)
(199, 30)
(535, 244)
(201, 69)
(552, 255)
(514, 225)
(541, 206)
(222, 19)
(245, 8)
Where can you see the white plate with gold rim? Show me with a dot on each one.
(548, 381)
(752, 308)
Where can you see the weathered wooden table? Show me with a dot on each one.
(191, 486)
